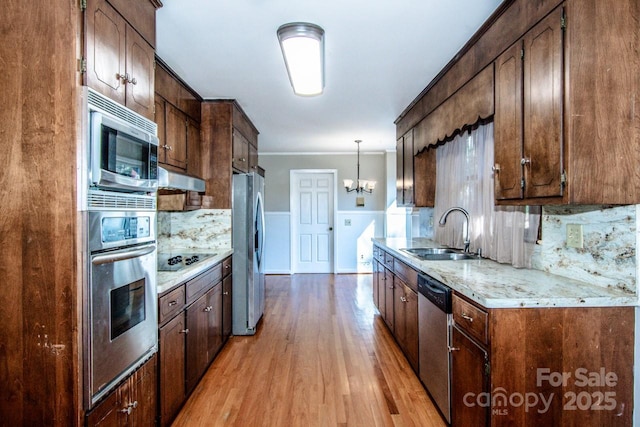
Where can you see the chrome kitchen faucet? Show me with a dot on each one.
(443, 220)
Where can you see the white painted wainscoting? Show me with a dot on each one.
(353, 242)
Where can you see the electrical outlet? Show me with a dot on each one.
(574, 236)
(347, 222)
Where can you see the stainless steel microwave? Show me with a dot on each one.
(123, 147)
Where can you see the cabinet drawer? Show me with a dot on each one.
(471, 319)
(379, 255)
(388, 261)
(170, 304)
(406, 273)
(227, 266)
(198, 285)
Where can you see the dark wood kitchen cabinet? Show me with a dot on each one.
(528, 117)
(498, 351)
(404, 170)
(191, 319)
(119, 58)
(469, 374)
(132, 403)
(405, 310)
(227, 298)
(229, 144)
(177, 113)
(172, 340)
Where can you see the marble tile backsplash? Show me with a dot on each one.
(203, 230)
(609, 255)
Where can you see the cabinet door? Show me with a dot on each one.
(389, 313)
(543, 95)
(107, 413)
(424, 178)
(240, 152)
(253, 158)
(400, 313)
(508, 124)
(197, 324)
(374, 282)
(214, 321)
(408, 168)
(469, 374)
(176, 143)
(382, 291)
(143, 395)
(411, 327)
(227, 304)
(160, 119)
(172, 368)
(106, 47)
(141, 74)
(194, 163)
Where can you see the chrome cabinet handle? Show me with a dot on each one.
(525, 161)
(451, 349)
(403, 299)
(208, 309)
(466, 317)
(172, 303)
(184, 331)
(225, 293)
(133, 81)
(167, 147)
(495, 168)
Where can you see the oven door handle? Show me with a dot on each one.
(122, 254)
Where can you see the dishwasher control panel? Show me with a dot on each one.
(435, 291)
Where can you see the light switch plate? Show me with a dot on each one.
(359, 201)
(574, 236)
(347, 222)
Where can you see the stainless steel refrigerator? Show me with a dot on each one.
(248, 252)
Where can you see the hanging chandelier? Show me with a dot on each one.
(362, 186)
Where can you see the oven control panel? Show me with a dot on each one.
(122, 229)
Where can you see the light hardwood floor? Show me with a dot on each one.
(322, 357)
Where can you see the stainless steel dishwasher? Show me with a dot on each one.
(434, 318)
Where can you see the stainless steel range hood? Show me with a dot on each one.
(176, 181)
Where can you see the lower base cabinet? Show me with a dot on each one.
(193, 335)
(132, 403)
(172, 372)
(470, 370)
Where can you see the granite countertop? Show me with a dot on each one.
(495, 285)
(167, 280)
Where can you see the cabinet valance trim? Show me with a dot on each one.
(469, 106)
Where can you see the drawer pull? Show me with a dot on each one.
(225, 293)
(208, 309)
(466, 317)
(452, 349)
(172, 303)
(403, 299)
(184, 331)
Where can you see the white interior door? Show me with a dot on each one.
(312, 219)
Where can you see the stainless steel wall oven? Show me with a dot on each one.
(122, 314)
(119, 175)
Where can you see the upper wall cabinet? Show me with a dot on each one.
(229, 144)
(528, 117)
(177, 113)
(404, 170)
(566, 89)
(119, 58)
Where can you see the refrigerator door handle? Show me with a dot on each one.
(259, 233)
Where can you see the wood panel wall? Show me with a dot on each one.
(39, 367)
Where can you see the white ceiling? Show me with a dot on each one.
(379, 55)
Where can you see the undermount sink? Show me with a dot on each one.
(440, 254)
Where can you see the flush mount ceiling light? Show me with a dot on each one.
(362, 186)
(302, 46)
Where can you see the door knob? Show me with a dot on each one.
(330, 228)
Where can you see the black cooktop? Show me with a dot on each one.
(180, 260)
